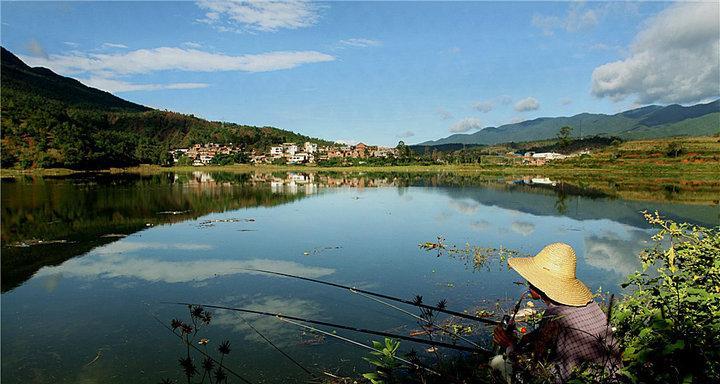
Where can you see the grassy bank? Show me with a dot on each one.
(693, 158)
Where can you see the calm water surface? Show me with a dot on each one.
(88, 261)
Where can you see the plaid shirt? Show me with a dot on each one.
(571, 336)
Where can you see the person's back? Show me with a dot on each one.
(574, 331)
(581, 336)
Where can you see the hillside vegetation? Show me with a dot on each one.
(53, 121)
(643, 123)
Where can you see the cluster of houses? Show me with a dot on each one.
(202, 154)
(289, 153)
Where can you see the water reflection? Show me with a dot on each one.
(189, 236)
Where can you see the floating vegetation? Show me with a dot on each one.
(35, 242)
(472, 255)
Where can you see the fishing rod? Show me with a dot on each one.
(340, 326)
(353, 289)
(430, 323)
(357, 343)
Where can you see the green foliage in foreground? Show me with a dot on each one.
(669, 324)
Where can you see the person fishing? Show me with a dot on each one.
(573, 332)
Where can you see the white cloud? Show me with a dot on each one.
(484, 106)
(113, 85)
(566, 101)
(192, 44)
(180, 59)
(527, 104)
(113, 265)
(113, 45)
(517, 119)
(465, 207)
(674, 59)
(360, 43)
(466, 124)
(522, 227)
(281, 333)
(611, 252)
(580, 17)
(259, 15)
(406, 134)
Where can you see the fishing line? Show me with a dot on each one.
(421, 305)
(276, 347)
(445, 329)
(359, 344)
(346, 327)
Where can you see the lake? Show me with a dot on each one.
(89, 261)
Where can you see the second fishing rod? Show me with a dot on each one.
(416, 303)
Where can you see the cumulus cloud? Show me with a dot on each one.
(465, 207)
(36, 49)
(484, 106)
(466, 124)
(113, 265)
(527, 104)
(171, 58)
(282, 334)
(580, 17)
(674, 59)
(360, 43)
(259, 15)
(611, 252)
(406, 134)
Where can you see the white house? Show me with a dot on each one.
(290, 148)
(310, 147)
(276, 151)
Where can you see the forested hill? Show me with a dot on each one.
(653, 121)
(50, 120)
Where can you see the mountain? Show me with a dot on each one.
(50, 120)
(653, 121)
(19, 77)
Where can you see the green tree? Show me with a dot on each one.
(564, 136)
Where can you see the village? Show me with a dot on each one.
(286, 153)
(311, 153)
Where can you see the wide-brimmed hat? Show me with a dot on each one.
(552, 271)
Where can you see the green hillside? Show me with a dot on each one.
(53, 121)
(642, 123)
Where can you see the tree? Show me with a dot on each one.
(563, 136)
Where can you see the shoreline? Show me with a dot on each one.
(641, 169)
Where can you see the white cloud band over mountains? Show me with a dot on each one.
(102, 69)
(674, 59)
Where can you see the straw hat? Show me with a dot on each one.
(553, 272)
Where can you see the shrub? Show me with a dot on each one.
(670, 324)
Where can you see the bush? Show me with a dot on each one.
(670, 324)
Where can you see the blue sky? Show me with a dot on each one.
(377, 72)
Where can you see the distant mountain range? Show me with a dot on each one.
(653, 121)
(50, 120)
